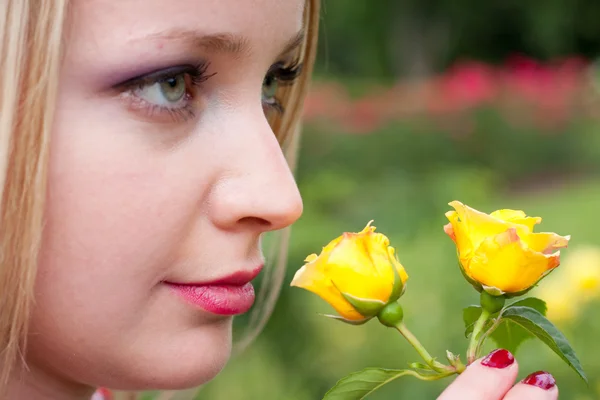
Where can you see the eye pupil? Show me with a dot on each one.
(172, 82)
(173, 88)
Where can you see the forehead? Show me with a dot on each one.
(102, 23)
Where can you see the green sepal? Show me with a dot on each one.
(347, 321)
(365, 307)
(522, 292)
(493, 291)
(452, 358)
(398, 288)
(473, 282)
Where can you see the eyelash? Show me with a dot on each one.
(284, 75)
(194, 76)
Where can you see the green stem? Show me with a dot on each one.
(427, 378)
(489, 331)
(473, 349)
(429, 360)
(460, 367)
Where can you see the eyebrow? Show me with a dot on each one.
(221, 42)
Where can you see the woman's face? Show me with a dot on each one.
(164, 172)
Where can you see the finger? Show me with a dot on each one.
(537, 386)
(485, 379)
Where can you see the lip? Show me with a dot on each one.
(229, 295)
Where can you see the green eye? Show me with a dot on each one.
(167, 92)
(173, 89)
(269, 89)
(280, 74)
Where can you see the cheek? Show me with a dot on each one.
(117, 207)
(116, 213)
(109, 226)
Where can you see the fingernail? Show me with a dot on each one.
(542, 379)
(499, 358)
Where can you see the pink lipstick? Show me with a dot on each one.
(229, 295)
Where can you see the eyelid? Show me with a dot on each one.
(286, 73)
(197, 72)
(194, 75)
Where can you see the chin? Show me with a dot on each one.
(186, 376)
(186, 360)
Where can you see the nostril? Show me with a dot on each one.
(256, 221)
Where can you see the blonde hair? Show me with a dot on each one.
(31, 46)
(30, 54)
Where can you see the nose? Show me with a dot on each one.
(257, 189)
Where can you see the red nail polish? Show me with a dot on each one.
(542, 379)
(499, 358)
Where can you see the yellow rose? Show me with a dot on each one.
(499, 252)
(357, 274)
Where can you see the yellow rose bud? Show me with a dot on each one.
(357, 274)
(499, 252)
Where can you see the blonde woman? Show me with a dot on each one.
(142, 149)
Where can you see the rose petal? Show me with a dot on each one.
(545, 242)
(516, 217)
(449, 230)
(472, 227)
(312, 278)
(504, 262)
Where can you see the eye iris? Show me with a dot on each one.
(269, 87)
(173, 88)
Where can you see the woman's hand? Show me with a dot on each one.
(493, 378)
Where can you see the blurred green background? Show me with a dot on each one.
(416, 103)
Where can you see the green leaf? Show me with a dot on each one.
(510, 335)
(534, 322)
(359, 385)
(533, 302)
(470, 316)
